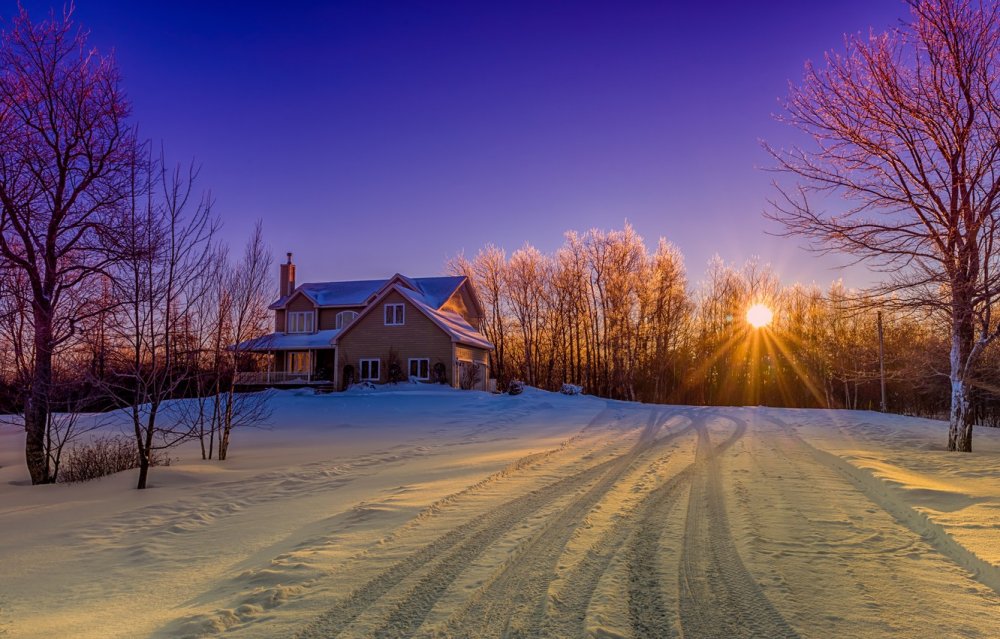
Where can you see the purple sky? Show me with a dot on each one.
(374, 137)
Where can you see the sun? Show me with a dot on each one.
(759, 315)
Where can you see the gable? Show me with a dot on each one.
(369, 331)
(452, 325)
(299, 302)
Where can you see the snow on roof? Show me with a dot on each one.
(436, 290)
(452, 323)
(285, 341)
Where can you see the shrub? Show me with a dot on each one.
(394, 369)
(472, 374)
(440, 373)
(102, 456)
(571, 389)
(516, 387)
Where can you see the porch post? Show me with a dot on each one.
(336, 370)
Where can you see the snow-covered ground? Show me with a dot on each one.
(431, 512)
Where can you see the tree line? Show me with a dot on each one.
(606, 313)
(115, 289)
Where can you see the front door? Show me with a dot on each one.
(326, 364)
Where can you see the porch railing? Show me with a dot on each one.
(269, 378)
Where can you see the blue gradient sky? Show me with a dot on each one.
(374, 137)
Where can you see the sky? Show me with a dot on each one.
(380, 137)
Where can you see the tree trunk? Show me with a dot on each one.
(146, 448)
(143, 471)
(36, 413)
(227, 426)
(962, 418)
(962, 334)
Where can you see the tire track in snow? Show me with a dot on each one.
(718, 597)
(514, 600)
(639, 533)
(449, 554)
(567, 615)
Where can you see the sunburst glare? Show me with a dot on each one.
(759, 315)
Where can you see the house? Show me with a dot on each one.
(423, 329)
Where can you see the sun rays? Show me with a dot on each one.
(760, 361)
(759, 315)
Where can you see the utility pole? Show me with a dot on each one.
(881, 360)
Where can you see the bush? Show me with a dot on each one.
(571, 389)
(103, 456)
(440, 373)
(394, 369)
(472, 375)
(516, 387)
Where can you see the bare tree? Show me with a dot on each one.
(906, 126)
(65, 150)
(166, 239)
(248, 291)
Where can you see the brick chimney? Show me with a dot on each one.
(286, 278)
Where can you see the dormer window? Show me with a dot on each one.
(344, 318)
(300, 322)
(395, 315)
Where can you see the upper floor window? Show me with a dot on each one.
(300, 322)
(344, 318)
(394, 315)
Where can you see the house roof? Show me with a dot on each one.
(450, 322)
(436, 290)
(289, 341)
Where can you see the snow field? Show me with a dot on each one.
(431, 512)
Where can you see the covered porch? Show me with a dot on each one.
(288, 360)
(312, 366)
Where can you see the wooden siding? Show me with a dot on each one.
(417, 337)
(472, 354)
(328, 316)
(300, 303)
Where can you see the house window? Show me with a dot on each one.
(370, 369)
(394, 315)
(299, 362)
(420, 368)
(300, 322)
(344, 318)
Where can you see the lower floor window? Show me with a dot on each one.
(370, 369)
(299, 362)
(420, 368)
